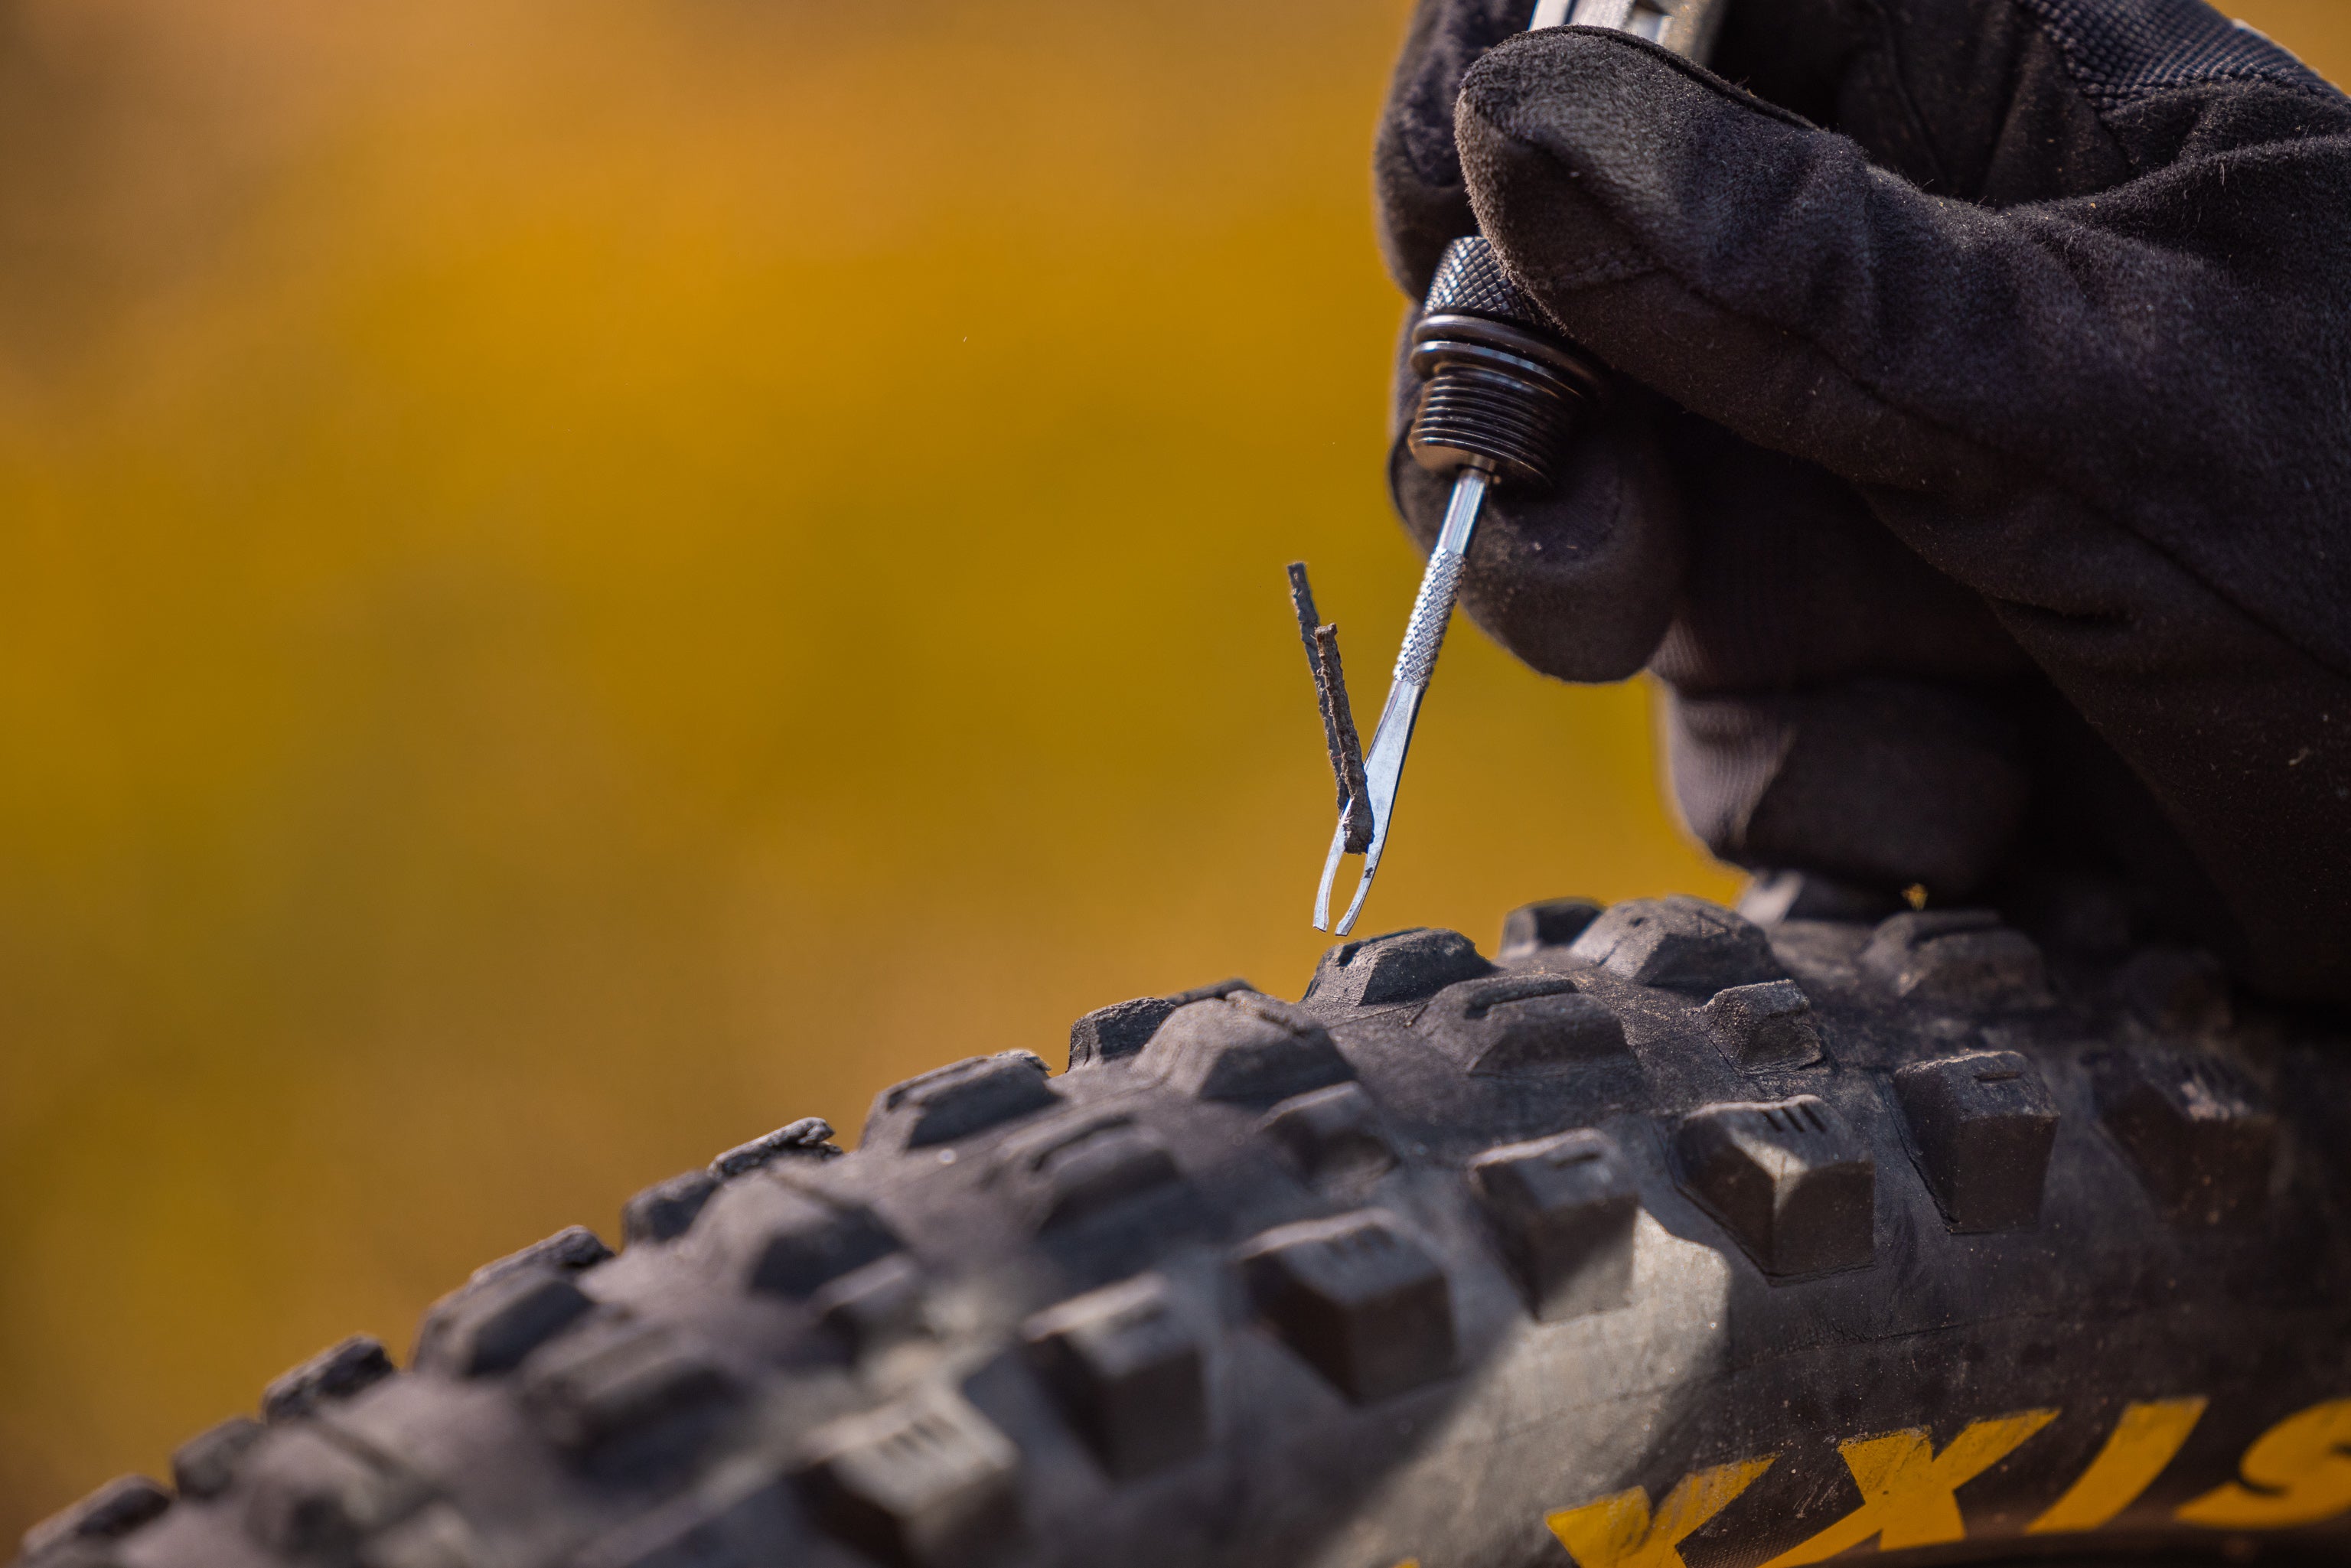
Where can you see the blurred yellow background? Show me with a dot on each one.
(578, 581)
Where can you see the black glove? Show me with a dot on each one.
(1984, 496)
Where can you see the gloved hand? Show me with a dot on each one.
(1984, 494)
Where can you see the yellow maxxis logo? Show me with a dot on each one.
(2297, 1472)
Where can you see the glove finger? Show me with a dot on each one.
(1422, 202)
(1764, 274)
(1963, 98)
(1581, 582)
(1970, 98)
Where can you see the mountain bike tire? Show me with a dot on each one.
(1662, 1239)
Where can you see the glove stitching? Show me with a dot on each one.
(2125, 53)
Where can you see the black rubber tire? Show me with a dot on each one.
(1660, 1240)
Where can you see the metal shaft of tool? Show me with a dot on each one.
(1424, 636)
(1494, 452)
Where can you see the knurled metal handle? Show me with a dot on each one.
(1432, 608)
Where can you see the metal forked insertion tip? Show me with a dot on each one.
(1424, 636)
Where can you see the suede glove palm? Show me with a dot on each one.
(1983, 490)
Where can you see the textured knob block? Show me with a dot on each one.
(336, 1373)
(492, 1326)
(957, 1101)
(1764, 1025)
(2203, 1145)
(1084, 1165)
(1681, 942)
(1982, 1125)
(206, 1465)
(924, 1482)
(1243, 1048)
(1127, 1372)
(667, 1210)
(1356, 1297)
(871, 1308)
(1401, 967)
(111, 1512)
(602, 1381)
(1118, 1031)
(309, 1496)
(1565, 1209)
(570, 1249)
(776, 1238)
(1114, 1032)
(1521, 1026)
(1332, 1134)
(1790, 1180)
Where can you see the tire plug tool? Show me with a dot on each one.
(1501, 394)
